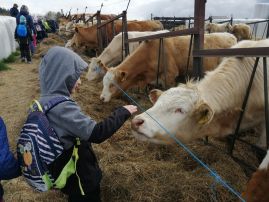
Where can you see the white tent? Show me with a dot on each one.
(7, 40)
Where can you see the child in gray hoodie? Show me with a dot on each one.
(59, 73)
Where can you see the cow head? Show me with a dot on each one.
(228, 27)
(180, 110)
(96, 70)
(113, 79)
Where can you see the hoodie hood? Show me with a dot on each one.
(59, 70)
(24, 10)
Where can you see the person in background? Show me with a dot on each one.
(14, 11)
(24, 36)
(9, 167)
(29, 22)
(40, 30)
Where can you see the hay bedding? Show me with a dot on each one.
(134, 170)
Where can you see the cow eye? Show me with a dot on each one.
(179, 110)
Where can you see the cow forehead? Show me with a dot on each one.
(178, 97)
(108, 78)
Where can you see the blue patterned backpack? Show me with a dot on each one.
(38, 146)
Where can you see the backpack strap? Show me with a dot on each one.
(55, 101)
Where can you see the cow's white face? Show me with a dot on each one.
(112, 81)
(108, 86)
(178, 110)
(95, 72)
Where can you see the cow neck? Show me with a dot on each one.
(224, 88)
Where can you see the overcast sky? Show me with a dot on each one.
(141, 9)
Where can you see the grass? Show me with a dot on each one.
(3, 66)
(10, 59)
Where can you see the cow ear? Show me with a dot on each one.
(102, 66)
(154, 95)
(122, 76)
(203, 114)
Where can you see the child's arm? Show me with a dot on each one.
(105, 129)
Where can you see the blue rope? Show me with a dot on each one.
(212, 173)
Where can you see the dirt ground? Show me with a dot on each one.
(132, 170)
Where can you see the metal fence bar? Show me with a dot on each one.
(236, 52)
(236, 133)
(256, 22)
(165, 35)
(109, 21)
(91, 18)
(266, 101)
(173, 18)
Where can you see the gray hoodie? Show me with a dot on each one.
(59, 70)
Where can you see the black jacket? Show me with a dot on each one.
(14, 12)
(87, 166)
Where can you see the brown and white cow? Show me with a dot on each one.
(241, 31)
(257, 187)
(88, 36)
(210, 107)
(140, 68)
(112, 55)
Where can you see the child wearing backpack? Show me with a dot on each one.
(59, 74)
(24, 37)
(9, 167)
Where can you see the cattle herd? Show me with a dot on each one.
(196, 109)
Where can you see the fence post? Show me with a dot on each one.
(199, 16)
(125, 32)
(267, 33)
(99, 33)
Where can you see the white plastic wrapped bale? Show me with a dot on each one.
(7, 40)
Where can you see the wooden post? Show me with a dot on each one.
(99, 33)
(199, 16)
(125, 33)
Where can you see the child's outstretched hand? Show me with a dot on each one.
(131, 108)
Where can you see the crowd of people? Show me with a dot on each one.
(30, 30)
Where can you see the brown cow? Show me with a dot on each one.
(88, 36)
(257, 187)
(140, 68)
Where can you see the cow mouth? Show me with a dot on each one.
(143, 137)
(140, 135)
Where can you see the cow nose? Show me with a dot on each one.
(136, 123)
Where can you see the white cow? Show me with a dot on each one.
(112, 54)
(215, 27)
(210, 107)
